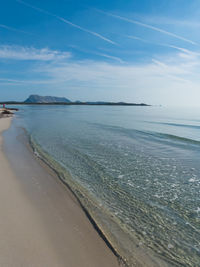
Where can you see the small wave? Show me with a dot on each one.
(179, 138)
(147, 134)
(175, 124)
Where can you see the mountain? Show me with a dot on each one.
(46, 99)
(53, 100)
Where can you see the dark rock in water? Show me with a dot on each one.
(7, 112)
(15, 109)
(46, 99)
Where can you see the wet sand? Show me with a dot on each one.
(41, 222)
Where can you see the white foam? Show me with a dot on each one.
(170, 246)
(198, 209)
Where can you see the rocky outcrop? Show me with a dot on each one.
(46, 99)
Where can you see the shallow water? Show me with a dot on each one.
(136, 168)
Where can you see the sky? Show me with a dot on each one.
(101, 50)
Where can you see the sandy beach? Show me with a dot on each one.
(41, 223)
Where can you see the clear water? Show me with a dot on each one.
(138, 166)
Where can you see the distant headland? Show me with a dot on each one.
(53, 100)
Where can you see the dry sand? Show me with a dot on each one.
(41, 224)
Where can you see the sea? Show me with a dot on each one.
(135, 169)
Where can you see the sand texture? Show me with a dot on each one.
(41, 223)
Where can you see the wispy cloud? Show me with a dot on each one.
(13, 29)
(30, 53)
(148, 26)
(13, 81)
(26, 82)
(68, 22)
(153, 82)
(102, 74)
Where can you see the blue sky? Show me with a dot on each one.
(115, 50)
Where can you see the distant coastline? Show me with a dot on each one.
(76, 103)
(54, 100)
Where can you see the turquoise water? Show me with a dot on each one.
(137, 170)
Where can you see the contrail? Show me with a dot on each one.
(161, 44)
(141, 39)
(110, 57)
(13, 29)
(147, 26)
(68, 22)
(97, 53)
(85, 30)
(186, 51)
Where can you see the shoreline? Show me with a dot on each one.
(139, 256)
(47, 165)
(84, 247)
